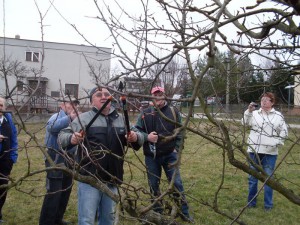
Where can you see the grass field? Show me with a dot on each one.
(201, 170)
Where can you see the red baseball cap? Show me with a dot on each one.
(157, 89)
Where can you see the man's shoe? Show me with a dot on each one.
(2, 221)
(63, 223)
(268, 209)
(251, 206)
(187, 218)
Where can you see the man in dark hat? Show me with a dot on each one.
(159, 153)
(100, 153)
(58, 184)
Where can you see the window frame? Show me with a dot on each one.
(32, 56)
(55, 94)
(71, 89)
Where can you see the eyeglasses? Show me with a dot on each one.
(100, 94)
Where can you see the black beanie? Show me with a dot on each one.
(93, 91)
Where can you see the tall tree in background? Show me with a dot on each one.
(253, 88)
(279, 79)
(244, 71)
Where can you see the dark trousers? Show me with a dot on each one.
(154, 172)
(56, 200)
(5, 169)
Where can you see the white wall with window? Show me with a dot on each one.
(65, 66)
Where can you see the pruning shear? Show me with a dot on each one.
(152, 147)
(125, 111)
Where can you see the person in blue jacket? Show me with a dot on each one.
(58, 184)
(8, 150)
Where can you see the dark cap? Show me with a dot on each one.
(93, 91)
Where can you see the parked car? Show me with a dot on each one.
(211, 100)
(175, 103)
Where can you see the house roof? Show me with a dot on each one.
(36, 78)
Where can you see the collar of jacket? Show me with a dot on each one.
(162, 108)
(2, 119)
(112, 112)
(62, 112)
(271, 111)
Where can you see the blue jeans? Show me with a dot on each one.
(268, 163)
(154, 170)
(91, 201)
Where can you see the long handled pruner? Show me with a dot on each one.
(125, 111)
(83, 131)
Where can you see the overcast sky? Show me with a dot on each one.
(21, 17)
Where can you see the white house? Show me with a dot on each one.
(58, 68)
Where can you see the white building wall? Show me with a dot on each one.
(63, 63)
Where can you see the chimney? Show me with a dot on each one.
(17, 36)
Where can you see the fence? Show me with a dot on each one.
(233, 111)
(291, 114)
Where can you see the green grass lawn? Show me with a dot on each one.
(201, 170)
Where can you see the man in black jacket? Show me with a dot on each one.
(159, 153)
(101, 152)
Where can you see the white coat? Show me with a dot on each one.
(268, 131)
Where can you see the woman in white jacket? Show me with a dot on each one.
(268, 131)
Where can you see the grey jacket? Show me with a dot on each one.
(103, 149)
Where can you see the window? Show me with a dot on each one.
(55, 94)
(33, 56)
(41, 91)
(71, 89)
(20, 85)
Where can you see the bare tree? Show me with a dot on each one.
(192, 28)
(185, 29)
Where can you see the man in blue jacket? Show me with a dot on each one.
(8, 150)
(58, 184)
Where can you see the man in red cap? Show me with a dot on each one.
(159, 153)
